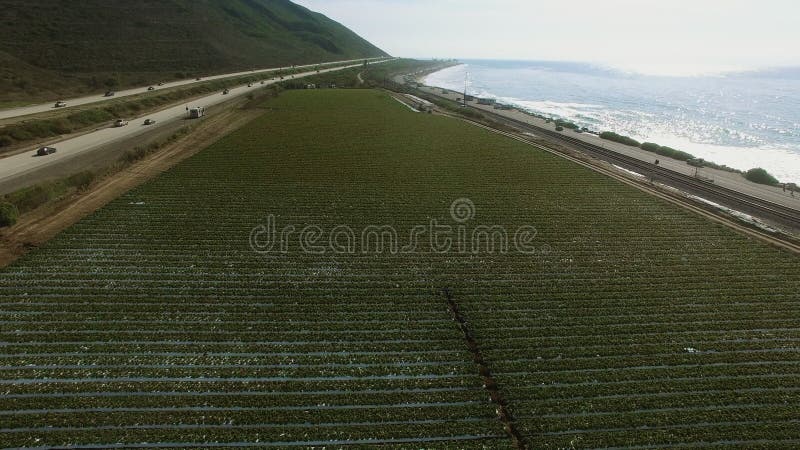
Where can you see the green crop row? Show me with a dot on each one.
(641, 314)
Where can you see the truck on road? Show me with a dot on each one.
(196, 112)
(120, 123)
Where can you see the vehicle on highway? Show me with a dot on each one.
(60, 104)
(161, 83)
(120, 123)
(197, 79)
(149, 121)
(109, 94)
(196, 112)
(249, 84)
(225, 92)
(151, 88)
(44, 151)
(262, 81)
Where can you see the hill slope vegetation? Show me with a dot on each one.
(51, 47)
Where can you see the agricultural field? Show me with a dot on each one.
(175, 316)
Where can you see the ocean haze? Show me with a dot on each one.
(744, 119)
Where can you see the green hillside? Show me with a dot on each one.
(52, 47)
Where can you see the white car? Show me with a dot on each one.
(120, 123)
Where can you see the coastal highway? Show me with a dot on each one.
(18, 165)
(35, 109)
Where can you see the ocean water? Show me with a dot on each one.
(743, 120)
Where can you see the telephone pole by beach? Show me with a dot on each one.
(466, 74)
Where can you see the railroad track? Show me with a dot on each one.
(718, 194)
(778, 241)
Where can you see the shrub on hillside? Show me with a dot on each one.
(566, 124)
(667, 151)
(8, 214)
(81, 180)
(30, 198)
(650, 147)
(760, 176)
(611, 136)
(676, 154)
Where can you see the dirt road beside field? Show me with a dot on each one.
(44, 223)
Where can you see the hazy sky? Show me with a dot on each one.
(652, 36)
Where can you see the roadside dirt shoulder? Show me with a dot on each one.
(40, 225)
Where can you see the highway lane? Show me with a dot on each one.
(35, 109)
(20, 164)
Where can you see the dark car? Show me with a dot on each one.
(149, 121)
(225, 92)
(151, 88)
(109, 94)
(161, 83)
(44, 151)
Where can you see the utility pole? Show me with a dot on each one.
(465, 88)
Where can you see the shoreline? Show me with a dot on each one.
(706, 155)
(730, 180)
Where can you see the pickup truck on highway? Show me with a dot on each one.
(60, 104)
(120, 123)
